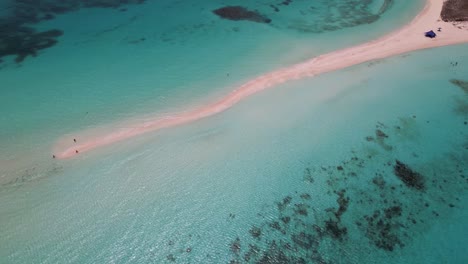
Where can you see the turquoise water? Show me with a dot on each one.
(259, 182)
(99, 72)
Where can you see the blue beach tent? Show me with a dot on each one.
(430, 34)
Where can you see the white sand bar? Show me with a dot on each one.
(409, 38)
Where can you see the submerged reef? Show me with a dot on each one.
(385, 215)
(383, 228)
(455, 10)
(461, 102)
(25, 42)
(17, 34)
(238, 13)
(385, 6)
(462, 84)
(409, 177)
(337, 15)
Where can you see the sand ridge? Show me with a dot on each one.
(408, 38)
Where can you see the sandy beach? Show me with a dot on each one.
(409, 38)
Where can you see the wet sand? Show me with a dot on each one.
(409, 38)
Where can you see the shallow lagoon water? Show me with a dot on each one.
(222, 189)
(157, 58)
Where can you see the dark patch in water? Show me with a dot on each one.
(286, 219)
(385, 6)
(333, 228)
(274, 254)
(20, 39)
(301, 209)
(337, 15)
(26, 42)
(252, 253)
(409, 177)
(256, 232)
(461, 106)
(171, 258)
(383, 228)
(343, 203)
(286, 201)
(136, 41)
(308, 176)
(29, 175)
(236, 246)
(304, 240)
(380, 134)
(380, 137)
(384, 213)
(286, 2)
(379, 181)
(275, 225)
(238, 13)
(276, 9)
(462, 84)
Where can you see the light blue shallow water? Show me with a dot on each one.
(99, 72)
(260, 182)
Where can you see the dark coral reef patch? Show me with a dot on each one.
(18, 37)
(383, 228)
(238, 13)
(338, 15)
(462, 84)
(386, 215)
(26, 42)
(409, 177)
